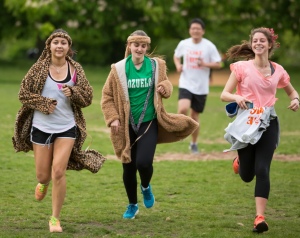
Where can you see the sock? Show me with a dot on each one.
(144, 188)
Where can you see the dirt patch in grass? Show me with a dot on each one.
(215, 156)
(208, 156)
(219, 77)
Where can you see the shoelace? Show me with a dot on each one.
(259, 219)
(130, 208)
(147, 194)
(53, 221)
(43, 187)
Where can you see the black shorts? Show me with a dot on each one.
(197, 101)
(39, 137)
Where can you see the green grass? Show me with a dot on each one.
(193, 199)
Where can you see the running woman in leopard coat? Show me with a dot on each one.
(51, 123)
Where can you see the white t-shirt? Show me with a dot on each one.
(193, 77)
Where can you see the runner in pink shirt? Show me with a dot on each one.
(256, 80)
(258, 88)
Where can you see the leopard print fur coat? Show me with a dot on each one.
(31, 99)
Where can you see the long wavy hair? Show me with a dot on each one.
(244, 50)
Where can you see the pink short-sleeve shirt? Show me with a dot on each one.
(256, 87)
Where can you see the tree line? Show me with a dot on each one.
(99, 28)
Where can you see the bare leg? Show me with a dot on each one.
(43, 162)
(261, 204)
(184, 106)
(195, 116)
(61, 153)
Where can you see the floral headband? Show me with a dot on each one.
(274, 37)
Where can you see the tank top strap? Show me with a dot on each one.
(68, 77)
(69, 72)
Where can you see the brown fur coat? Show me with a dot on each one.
(115, 105)
(31, 99)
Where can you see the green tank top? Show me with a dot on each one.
(138, 82)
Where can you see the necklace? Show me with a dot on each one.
(138, 63)
(263, 70)
(59, 68)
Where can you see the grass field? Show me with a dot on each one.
(193, 198)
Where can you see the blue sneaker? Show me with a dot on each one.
(132, 210)
(148, 197)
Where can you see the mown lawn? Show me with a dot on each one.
(193, 198)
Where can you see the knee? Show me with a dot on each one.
(58, 173)
(195, 117)
(262, 173)
(247, 178)
(43, 178)
(143, 166)
(129, 168)
(183, 110)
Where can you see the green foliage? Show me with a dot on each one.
(15, 49)
(100, 28)
(166, 48)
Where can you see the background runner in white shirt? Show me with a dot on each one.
(199, 57)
